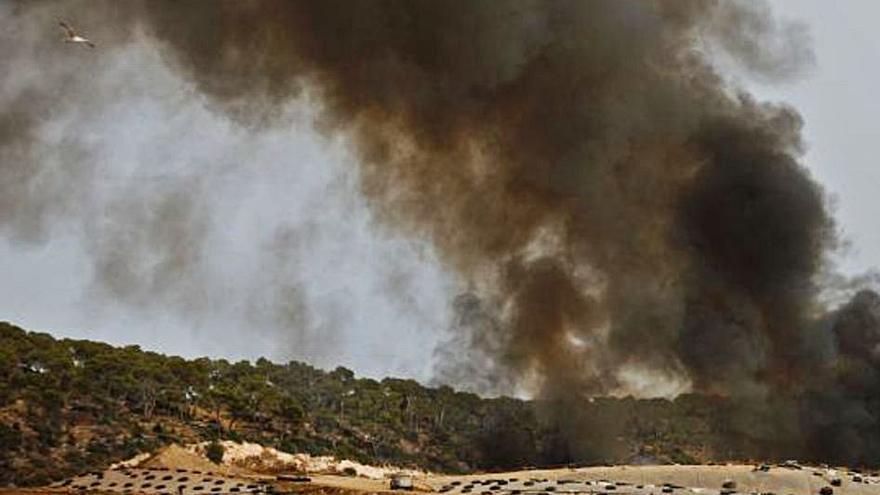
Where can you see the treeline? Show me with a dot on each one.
(68, 406)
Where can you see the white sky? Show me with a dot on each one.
(300, 187)
(840, 105)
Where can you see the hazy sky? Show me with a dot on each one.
(840, 106)
(292, 266)
(290, 242)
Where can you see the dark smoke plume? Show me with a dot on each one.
(622, 214)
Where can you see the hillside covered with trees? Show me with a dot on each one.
(68, 406)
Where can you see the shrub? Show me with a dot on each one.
(214, 452)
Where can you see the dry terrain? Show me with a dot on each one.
(647, 480)
(623, 480)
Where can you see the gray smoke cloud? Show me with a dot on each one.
(622, 213)
(236, 236)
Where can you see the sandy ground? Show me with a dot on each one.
(162, 481)
(632, 480)
(703, 479)
(617, 480)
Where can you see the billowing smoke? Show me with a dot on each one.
(625, 218)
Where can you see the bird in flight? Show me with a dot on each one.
(73, 37)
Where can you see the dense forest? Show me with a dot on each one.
(68, 406)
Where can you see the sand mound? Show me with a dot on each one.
(177, 457)
(253, 458)
(133, 462)
(257, 458)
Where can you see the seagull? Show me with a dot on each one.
(73, 36)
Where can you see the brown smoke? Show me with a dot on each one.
(615, 205)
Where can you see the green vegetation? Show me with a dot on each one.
(214, 452)
(68, 406)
